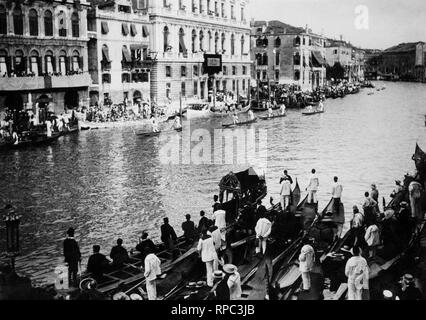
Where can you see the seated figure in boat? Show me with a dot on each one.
(15, 138)
(119, 254)
(98, 264)
(145, 245)
(177, 123)
(309, 109)
(251, 115)
(235, 118)
(154, 124)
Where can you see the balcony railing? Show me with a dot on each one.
(47, 82)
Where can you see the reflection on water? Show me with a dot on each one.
(110, 184)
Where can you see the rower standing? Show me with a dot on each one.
(177, 124)
(251, 115)
(152, 270)
(320, 106)
(270, 112)
(336, 193)
(313, 187)
(235, 118)
(154, 124)
(283, 109)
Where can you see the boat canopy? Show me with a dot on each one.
(240, 182)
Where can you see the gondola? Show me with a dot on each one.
(232, 125)
(32, 141)
(285, 277)
(308, 113)
(272, 117)
(131, 275)
(419, 158)
(242, 257)
(154, 134)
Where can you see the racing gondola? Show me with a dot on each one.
(239, 124)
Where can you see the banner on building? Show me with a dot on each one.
(212, 63)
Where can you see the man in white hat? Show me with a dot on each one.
(357, 271)
(263, 230)
(152, 270)
(234, 281)
(306, 263)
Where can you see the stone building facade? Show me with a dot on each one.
(118, 49)
(405, 61)
(284, 54)
(182, 31)
(352, 59)
(43, 55)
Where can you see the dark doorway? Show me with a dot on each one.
(14, 101)
(71, 99)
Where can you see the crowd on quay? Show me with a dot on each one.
(26, 73)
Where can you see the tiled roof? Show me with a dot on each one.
(403, 47)
(278, 27)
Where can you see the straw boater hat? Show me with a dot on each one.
(120, 296)
(230, 268)
(404, 204)
(218, 274)
(135, 296)
(398, 182)
(87, 284)
(346, 248)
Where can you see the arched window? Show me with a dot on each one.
(265, 41)
(223, 43)
(297, 41)
(278, 42)
(201, 41)
(210, 40)
(296, 59)
(63, 62)
(259, 42)
(62, 24)
(76, 61)
(35, 63)
(166, 38)
(265, 59)
(3, 63)
(50, 62)
(232, 44)
(20, 63)
(75, 22)
(18, 21)
(216, 42)
(3, 20)
(242, 45)
(194, 40)
(48, 23)
(297, 75)
(182, 47)
(33, 19)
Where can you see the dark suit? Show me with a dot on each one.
(97, 265)
(72, 257)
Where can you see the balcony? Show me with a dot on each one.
(39, 83)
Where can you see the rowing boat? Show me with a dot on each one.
(34, 141)
(272, 117)
(310, 113)
(231, 125)
(153, 134)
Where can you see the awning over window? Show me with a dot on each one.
(318, 59)
(182, 43)
(104, 27)
(136, 46)
(145, 31)
(125, 29)
(133, 30)
(105, 54)
(126, 55)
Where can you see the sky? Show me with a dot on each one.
(372, 24)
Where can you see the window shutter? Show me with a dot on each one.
(54, 63)
(67, 64)
(24, 67)
(13, 66)
(40, 66)
(8, 64)
(80, 63)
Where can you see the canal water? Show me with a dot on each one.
(111, 183)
